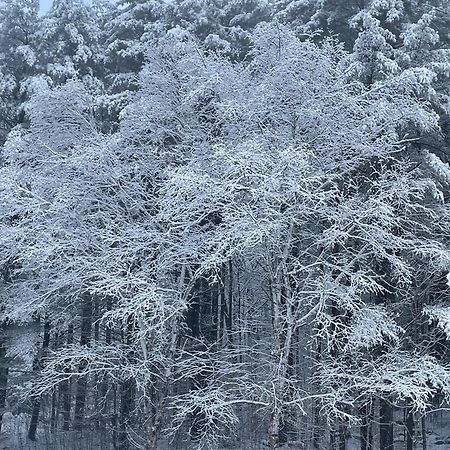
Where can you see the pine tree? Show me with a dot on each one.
(220, 25)
(69, 42)
(131, 27)
(18, 59)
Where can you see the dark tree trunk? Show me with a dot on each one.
(37, 400)
(4, 368)
(193, 313)
(424, 432)
(316, 409)
(386, 426)
(316, 426)
(409, 429)
(339, 317)
(332, 439)
(127, 394)
(370, 437)
(342, 437)
(103, 388)
(96, 382)
(127, 397)
(199, 300)
(64, 389)
(54, 410)
(85, 337)
(215, 319)
(34, 419)
(221, 305)
(153, 418)
(366, 427)
(239, 312)
(114, 418)
(229, 316)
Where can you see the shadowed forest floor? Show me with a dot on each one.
(14, 438)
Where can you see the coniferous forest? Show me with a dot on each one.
(225, 224)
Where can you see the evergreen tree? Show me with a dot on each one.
(130, 27)
(69, 42)
(220, 25)
(18, 59)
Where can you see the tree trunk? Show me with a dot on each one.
(316, 407)
(370, 443)
(127, 392)
(55, 403)
(103, 389)
(386, 426)
(65, 388)
(96, 379)
(37, 400)
(127, 397)
(194, 321)
(316, 425)
(114, 418)
(34, 419)
(409, 429)
(54, 413)
(342, 437)
(332, 439)
(4, 368)
(229, 313)
(424, 432)
(366, 427)
(152, 425)
(274, 432)
(220, 304)
(85, 337)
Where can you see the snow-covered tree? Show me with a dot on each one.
(206, 219)
(130, 28)
(68, 42)
(18, 58)
(287, 183)
(222, 25)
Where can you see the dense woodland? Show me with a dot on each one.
(224, 224)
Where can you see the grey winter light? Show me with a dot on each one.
(224, 225)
